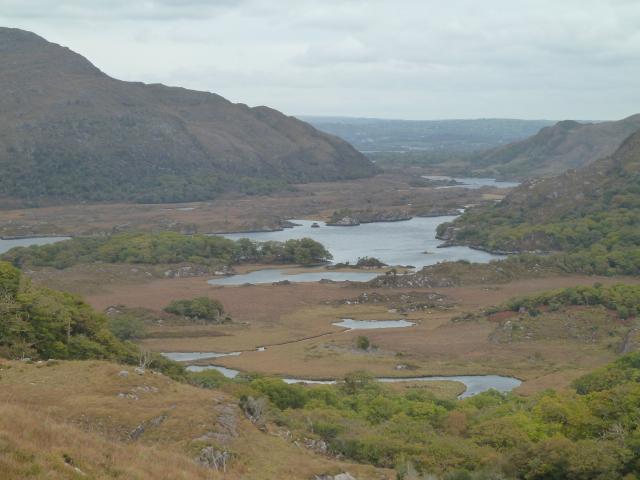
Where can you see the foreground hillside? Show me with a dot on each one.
(555, 149)
(593, 214)
(137, 426)
(68, 131)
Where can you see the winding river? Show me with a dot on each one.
(474, 384)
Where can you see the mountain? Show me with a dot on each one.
(592, 213)
(389, 136)
(69, 131)
(555, 149)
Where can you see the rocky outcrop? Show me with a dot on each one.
(350, 218)
(213, 458)
(340, 476)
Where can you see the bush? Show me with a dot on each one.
(199, 308)
(207, 379)
(126, 326)
(363, 342)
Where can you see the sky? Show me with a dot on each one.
(408, 59)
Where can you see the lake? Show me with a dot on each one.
(411, 242)
(6, 245)
(352, 324)
(472, 182)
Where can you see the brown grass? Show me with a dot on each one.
(74, 408)
(269, 315)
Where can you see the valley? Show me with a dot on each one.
(193, 287)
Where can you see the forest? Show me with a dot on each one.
(167, 248)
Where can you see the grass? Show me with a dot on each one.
(74, 410)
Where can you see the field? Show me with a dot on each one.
(295, 321)
(136, 427)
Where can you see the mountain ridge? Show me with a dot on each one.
(592, 213)
(566, 145)
(68, 130)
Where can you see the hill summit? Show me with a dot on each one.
(556, 149)
(68, 131)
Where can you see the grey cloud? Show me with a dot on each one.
(402, 58)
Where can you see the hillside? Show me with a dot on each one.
(69, 131)
(593, 212)
(555, 149)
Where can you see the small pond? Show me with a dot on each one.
(472, 182)
(352, 324)
(193, 356)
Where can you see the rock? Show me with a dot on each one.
(345, 222)
(140, 429)
(340, 476)
(315, 225)
(139, 370)
(123, 373)
(281, 282)
(215, 459)
(253, 408)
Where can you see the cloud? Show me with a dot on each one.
(406, 58)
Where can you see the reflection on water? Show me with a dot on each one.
(372, 324)
(6, 245)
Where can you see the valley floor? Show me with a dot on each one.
(295, 322)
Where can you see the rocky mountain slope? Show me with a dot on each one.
(69, 131)
(555, 149)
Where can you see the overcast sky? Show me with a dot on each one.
(413, 59)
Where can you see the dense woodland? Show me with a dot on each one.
(167, 248)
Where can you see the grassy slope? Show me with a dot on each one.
(41, 421)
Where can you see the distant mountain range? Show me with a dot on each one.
(500, 148)
(379, 135)
(555, 149)
(69, 131)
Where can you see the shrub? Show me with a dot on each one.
(199, 308)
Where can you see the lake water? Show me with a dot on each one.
(6, 245)
(193, 356)
(271, 275)
(394, 243)
(472, 182)
(372, 324)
